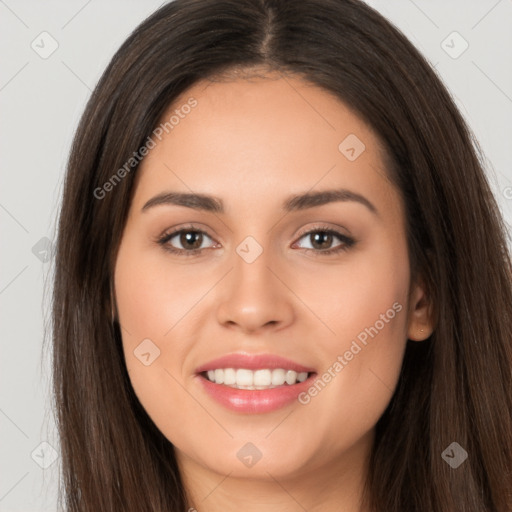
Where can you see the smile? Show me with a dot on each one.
(254, 383)
(243, 378)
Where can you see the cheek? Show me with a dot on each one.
(150, 303)
(157, 304)
(363, 352)
(368, 290)
(153, 296)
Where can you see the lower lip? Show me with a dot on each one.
(255, 401)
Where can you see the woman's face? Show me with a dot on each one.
(301, 276)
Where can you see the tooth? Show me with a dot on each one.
(291, 377)
(278, 377)
(244, 377)
(302, 376)
(229, 376)
(219, 376)
(262, 378)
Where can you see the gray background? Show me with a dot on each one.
(41, 100)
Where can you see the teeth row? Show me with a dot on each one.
(258, 379)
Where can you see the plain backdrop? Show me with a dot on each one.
(53, 53)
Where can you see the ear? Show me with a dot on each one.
(420, 321)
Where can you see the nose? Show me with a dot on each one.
(255, 296)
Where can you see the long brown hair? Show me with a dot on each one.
(454, 387)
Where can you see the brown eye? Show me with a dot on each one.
(321, 241)
(185, 242)
(191, 239)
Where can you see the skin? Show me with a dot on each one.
(253, 143)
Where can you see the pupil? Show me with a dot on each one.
(320, 237)
(188, 237)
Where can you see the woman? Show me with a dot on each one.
(282, 281)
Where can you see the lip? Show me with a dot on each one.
(254, 401)
(253, 362)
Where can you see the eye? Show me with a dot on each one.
(322, 238)
(189, 238)
(192, 241)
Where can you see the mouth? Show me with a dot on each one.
(266, 378)
(248, 383)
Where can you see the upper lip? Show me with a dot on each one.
(253, 362)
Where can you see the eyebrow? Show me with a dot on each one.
(294, 203)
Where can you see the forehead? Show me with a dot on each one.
(268, 112)
(253, 138)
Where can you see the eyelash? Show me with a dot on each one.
(166, 237)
